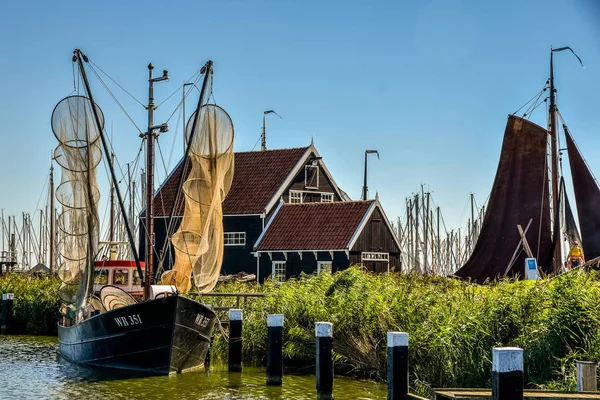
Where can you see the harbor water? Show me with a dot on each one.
(30, 368)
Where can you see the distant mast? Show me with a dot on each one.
(555, 178)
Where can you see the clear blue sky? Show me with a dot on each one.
(427, 83)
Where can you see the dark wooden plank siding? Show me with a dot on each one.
(295, 266)
(240, 258)
(376, 237)
(314, 194)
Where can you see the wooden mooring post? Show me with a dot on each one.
(586, 376)
(507, 373)
(274, 349)
(324, 336)
(6, 313)
(235, 340)
(397, 365)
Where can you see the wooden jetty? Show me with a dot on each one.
(481, 394)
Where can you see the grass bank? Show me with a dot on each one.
(453, 325)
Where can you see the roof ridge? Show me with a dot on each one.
(273, 150)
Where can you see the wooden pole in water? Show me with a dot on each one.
(507, 373)
(275, 349)
(397, 365)
(586, 376)
(6, 313)
(324, 335)
(235, 340)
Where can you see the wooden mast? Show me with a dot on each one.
(554, 154)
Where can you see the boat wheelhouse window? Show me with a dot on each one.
(311, 176)
(324, 266)
(295, 196)
(278, 274)
(235, 238)
(326, 197)
(136, 278)
(120, 277)
(101, 276)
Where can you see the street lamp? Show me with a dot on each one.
(263, 145)
(365, 189)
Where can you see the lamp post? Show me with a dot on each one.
(365, 189)
(263, 145)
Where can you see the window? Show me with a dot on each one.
(324, 266)
(136, 277)
(311, 176)
(120, 277)
(278, 274)
(371, 256)
(235, 238)
(326, 197)
(101, 276)
(295, 196)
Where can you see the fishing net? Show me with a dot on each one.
(113, 297)
(78, 154)
(199, 240)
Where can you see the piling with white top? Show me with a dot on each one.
(324, 335)
(507, 373)
(274, 349)
(397, 365)
(6, 313)
(235, 340)
(586, 376)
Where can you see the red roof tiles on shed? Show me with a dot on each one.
(314, 226)
(257, 176)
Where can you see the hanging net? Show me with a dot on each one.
(78, 154)
(199, 240)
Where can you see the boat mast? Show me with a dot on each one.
(51, 266)
(554, 154)
(150, 135)
(79, 57)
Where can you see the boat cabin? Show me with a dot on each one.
(120, 273)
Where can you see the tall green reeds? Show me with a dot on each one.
(36, 304)
(453, 325)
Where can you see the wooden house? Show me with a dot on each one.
(261, 180)
(326, 237)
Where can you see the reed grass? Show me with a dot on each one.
(453, 325)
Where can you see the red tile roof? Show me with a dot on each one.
(314, 226)
(257, 176)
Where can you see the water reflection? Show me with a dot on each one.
(30, 368)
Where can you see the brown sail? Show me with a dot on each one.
(587, 198)
(519, 195)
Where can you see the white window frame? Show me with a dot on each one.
(326, 266)
(326, 197)
(277, 268)
(296, 195)
(306, 184)
(234, 239)
(375, 256)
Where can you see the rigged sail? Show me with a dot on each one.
(78, 154)
(587, 198)
(519, 195)
(199, 240)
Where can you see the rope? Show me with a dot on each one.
(530, 100)
(116, 83)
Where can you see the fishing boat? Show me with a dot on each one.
(529, 220)
(167, 331)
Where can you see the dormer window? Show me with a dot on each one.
(326, 197)
(295, 196)
(311, 176)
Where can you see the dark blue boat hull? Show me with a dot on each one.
(162, 336)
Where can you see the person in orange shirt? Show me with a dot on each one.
(575, 256)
